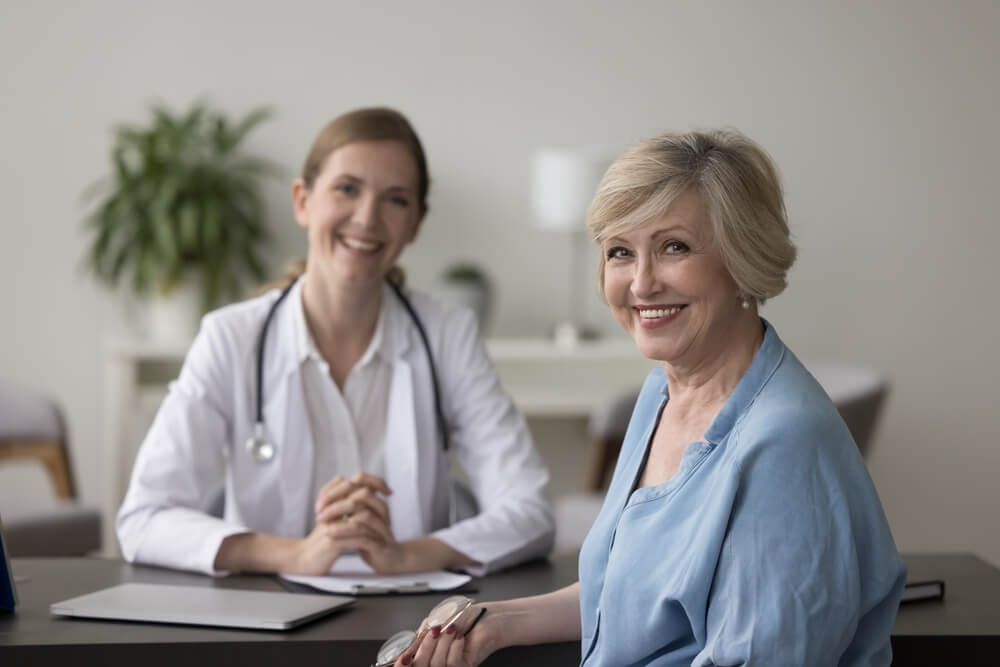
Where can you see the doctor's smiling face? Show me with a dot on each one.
(361, 210)
(668, 286)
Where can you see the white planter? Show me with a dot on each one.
(174, 318)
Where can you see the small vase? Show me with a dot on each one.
(473, 295)
(175, 317)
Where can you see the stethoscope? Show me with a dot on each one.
(262, 450)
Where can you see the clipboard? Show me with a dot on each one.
(350, 575)
(398, 589)
(363, 590)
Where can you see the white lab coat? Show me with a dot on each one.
(197, 441)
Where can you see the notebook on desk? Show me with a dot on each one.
(200, 605)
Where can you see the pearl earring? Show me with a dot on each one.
(745, 303)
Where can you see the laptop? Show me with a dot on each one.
(200, 605)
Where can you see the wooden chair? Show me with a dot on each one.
(32, 428)
(44, 440)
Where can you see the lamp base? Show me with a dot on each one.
(569, 334)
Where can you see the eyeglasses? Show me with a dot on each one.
(443, 615)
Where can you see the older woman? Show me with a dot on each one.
(741, 527)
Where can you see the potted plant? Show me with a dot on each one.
(182, 206)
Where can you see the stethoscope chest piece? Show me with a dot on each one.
(258, 446)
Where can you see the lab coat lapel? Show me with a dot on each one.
(294, 454)
(287, 421)
(406, 504)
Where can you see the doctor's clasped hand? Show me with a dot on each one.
(341, 498)
(349, 516)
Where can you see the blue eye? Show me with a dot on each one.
(347, 188)
(617, 252)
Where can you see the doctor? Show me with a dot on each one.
(362, 388)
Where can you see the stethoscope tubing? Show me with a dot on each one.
(261, 449)
(261, 340)
(439, 414)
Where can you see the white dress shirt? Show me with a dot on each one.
(348, 426)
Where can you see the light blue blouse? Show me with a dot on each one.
(768, 546)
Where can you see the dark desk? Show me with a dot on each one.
(964, 629)
(350, 637)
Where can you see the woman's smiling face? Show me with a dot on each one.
(668, 287)
(361, 211)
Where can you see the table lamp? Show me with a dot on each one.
(563, 181)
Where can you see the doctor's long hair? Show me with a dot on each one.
(368, 124)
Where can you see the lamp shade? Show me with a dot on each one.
(563, 182)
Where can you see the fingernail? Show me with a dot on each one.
(459, 636)
(407, 659)
(450, 630)
(436, 631)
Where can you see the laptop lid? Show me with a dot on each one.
(8, 592)
(199, 605)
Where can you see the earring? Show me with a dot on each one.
(745, 302)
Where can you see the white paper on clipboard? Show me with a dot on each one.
(350, 575)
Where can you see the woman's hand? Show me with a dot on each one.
(356, 501)
(349, 516)
(420, 554)
(541, 619)
(340, 498)
(455, 645)
(315, 553)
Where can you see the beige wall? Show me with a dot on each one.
(882, 116)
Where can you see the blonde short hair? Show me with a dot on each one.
(738, 183)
